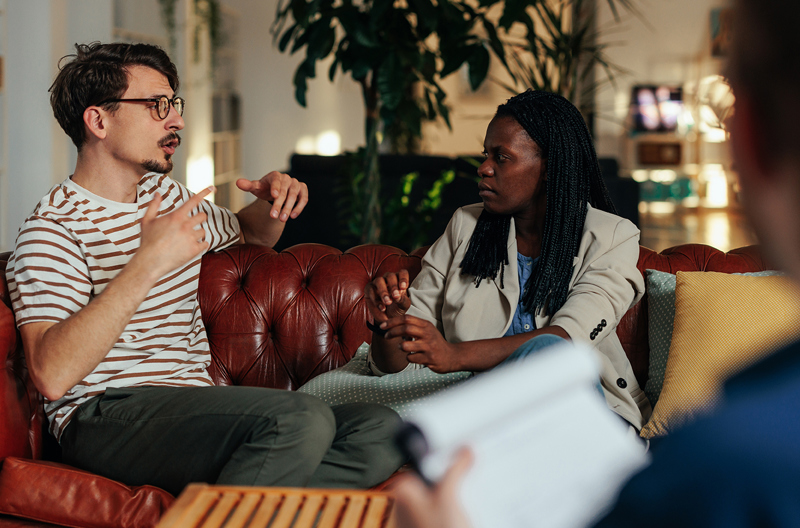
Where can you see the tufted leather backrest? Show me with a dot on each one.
(279, 319)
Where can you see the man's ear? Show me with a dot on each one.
(748, 141)
(94, 119)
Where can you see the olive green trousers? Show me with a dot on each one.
(171, 436)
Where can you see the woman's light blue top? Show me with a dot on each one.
(523, 321)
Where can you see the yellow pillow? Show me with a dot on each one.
(723, 324)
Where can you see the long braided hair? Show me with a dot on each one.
(573, 181)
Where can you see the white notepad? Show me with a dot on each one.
(547, 450)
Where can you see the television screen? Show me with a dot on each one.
(656, 108)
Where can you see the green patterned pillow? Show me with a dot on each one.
(661, 310)
(401, 391)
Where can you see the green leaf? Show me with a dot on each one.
(332, 69)
(286, 38)
(514, 11)
(356, 27)
(391, 82)
(453, 59)
(478, 67)
(444, 111)
(301, 39)
(427, 16)
(299, 12)
(428, 65)
(321, 40)
(494, 41)
(300, 86)
(360, 69)
(376, 14)
(431, 109)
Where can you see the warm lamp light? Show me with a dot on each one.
(200, 174)
(716, 185)
(329, 143)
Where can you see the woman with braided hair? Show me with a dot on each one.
(543, 259)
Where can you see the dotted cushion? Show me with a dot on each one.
(723, 324)
(661, 309)
(401, 391)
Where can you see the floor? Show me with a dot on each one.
(724, 229)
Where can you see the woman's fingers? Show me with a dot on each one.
(396, 284)
(405, 325)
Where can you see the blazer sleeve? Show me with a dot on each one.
(605, 286)
(427, 292)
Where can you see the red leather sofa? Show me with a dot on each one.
(273, 320)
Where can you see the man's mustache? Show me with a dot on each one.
(170, 138)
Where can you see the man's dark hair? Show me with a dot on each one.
(96, 73)
(765, 63)
(573, 181)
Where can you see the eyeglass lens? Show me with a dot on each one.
(163, 106)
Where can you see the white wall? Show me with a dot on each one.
(272, 121)
(36, 34)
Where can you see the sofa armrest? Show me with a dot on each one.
(55, 493)
(22, 416)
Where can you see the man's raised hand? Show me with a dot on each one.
(287, 195)
(171, 240)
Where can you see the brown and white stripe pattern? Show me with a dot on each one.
(73, 245)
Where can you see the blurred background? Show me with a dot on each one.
(397, 95)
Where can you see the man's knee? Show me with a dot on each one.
(365, 436)
(307, 420)
(376, 421)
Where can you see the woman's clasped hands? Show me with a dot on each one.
(418, 339)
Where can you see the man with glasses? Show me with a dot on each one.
(103, 281)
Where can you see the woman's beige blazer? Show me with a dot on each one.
(605, 283)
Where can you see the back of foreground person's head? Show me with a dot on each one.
(99, 72)
(765, 67)
(573, 181)
(764, 72)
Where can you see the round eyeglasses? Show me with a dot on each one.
(162, 104)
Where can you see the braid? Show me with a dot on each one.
(573, 181)
(487, 251)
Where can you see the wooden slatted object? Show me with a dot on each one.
(205, 506)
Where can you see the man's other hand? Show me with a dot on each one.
(287, 195)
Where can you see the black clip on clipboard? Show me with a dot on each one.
(413, 445)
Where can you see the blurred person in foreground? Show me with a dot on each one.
(741, 465)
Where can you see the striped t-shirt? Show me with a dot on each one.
(67, 251)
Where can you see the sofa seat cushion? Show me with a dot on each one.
(59, 494)
(403, 391)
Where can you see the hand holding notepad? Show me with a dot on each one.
(547, 450)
